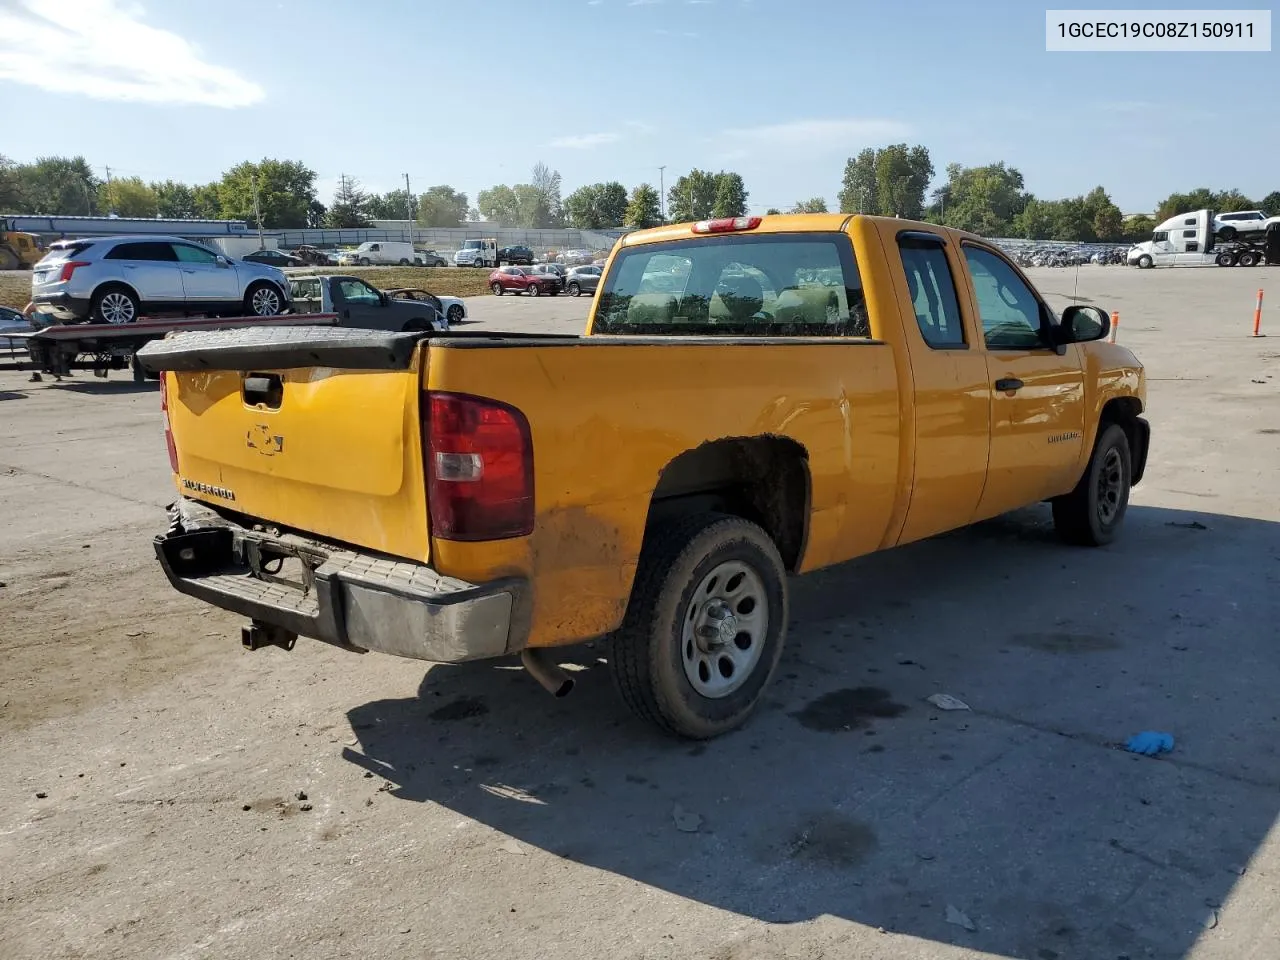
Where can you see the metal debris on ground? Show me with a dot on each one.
(944, 701)
(1189, 525)
(960, 919)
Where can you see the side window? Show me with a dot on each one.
(933, 293)
(354, 291)
(1160, 236)
(145, 250)
(189, 254)
(1009, 310)
(1188, 233)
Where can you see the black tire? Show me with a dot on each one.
(575, 290)
(404, 262)
(1226, 260)
(535, 290)
(417, 325)
(117, 301)
(362, 262)
(1227, 233)
(455, 314)
(1145, 262)
(648, 652)
(263, 300)
(1091, 515)
(496, 288)
(1248, 259)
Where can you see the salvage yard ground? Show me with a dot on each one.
(169, 795)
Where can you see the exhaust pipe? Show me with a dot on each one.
(548, 673)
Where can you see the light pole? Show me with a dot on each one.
(662, 193)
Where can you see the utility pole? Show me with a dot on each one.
(662, 193)
(408, 203)
(257, 209)
(111, 196)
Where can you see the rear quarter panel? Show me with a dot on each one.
(607, 416)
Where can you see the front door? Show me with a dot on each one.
(206, 281)
(1037, 394)
(361, 306)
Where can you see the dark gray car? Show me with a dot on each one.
(582, 280)
(357, 304)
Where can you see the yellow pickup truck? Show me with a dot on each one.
(752, 398)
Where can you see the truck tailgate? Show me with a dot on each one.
(311, 428)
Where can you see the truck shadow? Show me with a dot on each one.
(850, 795)
(106, 387)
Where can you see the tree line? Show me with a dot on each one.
(991, 200)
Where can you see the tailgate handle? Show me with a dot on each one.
(263, 389)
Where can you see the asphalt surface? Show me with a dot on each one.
(154, 805)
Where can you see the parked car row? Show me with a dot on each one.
(545, 278)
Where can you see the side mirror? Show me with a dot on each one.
(1082, 324)
(223, 262)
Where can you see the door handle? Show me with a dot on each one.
(1009, 384)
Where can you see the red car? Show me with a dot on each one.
(520, 279)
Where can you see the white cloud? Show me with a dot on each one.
(699, 3)
(585, 141)
(642, 3)
(102, 49)
(594, 3)
(818, 133)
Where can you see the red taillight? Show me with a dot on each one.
(69, 268)
(479, 468)
(726, 225)
(168, 432)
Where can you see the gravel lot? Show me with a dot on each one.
(171, 796)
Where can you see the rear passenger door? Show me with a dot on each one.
(151, 268)
(952, 399)
(1037, 394)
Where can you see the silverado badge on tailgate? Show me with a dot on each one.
(198, 487)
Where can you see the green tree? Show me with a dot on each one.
(442, 206)
(731, 196)
(128, 197)
(1071, 220)
(691, 197)
(206, 201)
(174, 201)
(548, 207)
(317, 215)
(902, 177)
(1105, 218)
(644, 209)
(1036, 220)
(58, 185)
(859, 190)
(10, 189)
(772, 211)
(983, 200)
(812, 205)
(1270, 204)
(1198, 199)
(499, 205)
(596, 205)
(285, 191)
(393, 205)
(1233, 199)
(1138, 228)
(349, 204)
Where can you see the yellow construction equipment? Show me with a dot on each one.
(18, 250)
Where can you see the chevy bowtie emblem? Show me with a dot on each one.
(261, 438)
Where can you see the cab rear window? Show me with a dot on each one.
(766, 285)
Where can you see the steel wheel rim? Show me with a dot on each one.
(1110, 486)
(265, 302)
(116, 308)
(724, 629)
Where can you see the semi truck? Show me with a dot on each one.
(1202, 238)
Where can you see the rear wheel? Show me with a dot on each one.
(417, 325)
(496, 288)
(575, 290)
(263, 300)
(114, 304)
(455, 314)
(1226, 260)
(705, 626)
(1091, 514)
(1248, 259)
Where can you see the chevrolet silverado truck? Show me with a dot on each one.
(751, 398)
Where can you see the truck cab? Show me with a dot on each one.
(360, 305)
(1184, 240)
(477, 253)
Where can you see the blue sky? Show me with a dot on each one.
(475, 93)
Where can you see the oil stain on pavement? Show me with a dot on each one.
(848, 709)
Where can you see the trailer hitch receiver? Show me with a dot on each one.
(257, 635)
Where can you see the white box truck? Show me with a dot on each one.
(380, 253)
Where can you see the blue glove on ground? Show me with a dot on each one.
(1150, 743)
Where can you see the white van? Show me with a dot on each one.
(380, 252)
(477, 253)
